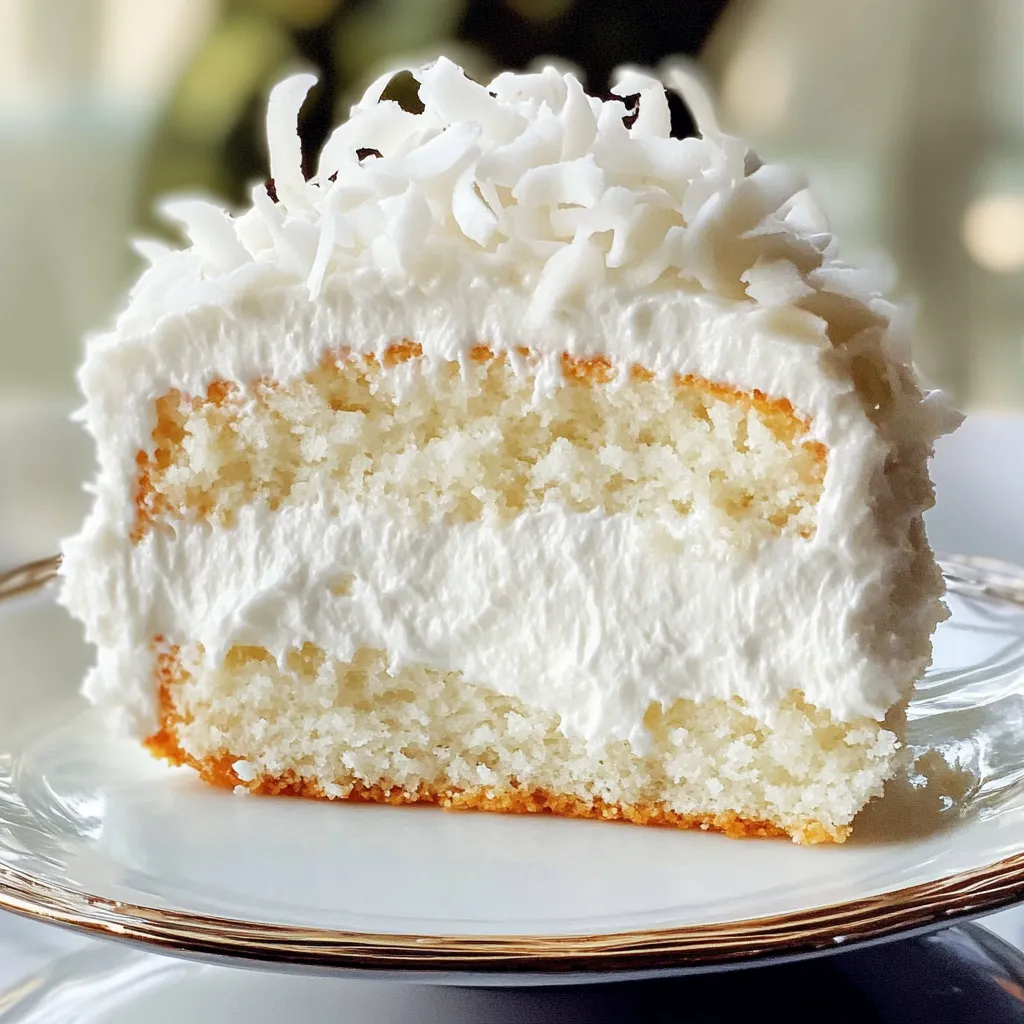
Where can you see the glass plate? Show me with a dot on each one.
(96, 835)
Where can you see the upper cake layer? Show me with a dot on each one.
(517, 216)
(461, 443)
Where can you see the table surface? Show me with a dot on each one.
(979, 487)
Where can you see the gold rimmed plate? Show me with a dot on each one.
(96, 836)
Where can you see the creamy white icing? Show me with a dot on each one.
(528, 217)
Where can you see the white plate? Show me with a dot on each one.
(96, 835)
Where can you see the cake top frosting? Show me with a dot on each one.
(527, 179)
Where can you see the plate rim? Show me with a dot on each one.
(720, 945)
(921, 907)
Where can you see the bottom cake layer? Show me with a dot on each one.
(351, 730)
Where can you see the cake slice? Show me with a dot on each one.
(525, 458)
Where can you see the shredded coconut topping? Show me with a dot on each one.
(530, 177)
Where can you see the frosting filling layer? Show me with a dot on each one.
(592, 617)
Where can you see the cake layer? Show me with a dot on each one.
(316, 727)
(470, 441)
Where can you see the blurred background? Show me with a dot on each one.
(907, 114)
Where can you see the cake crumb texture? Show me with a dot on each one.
(320, 728)
(480, 440)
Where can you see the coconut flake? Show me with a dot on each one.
(670, 160)
(285, 146)
(294, 243)
(476, 220)
(165, 274)
(445, 151)
(570, 268)
(384, 127)
(577, 182)
(775, 283)
(631, 80)
(653, 114)
(210, 230)
(611, 128)
(698, 191)
(547, 86)
(297, 245)
(529, 228)
(686, 80)
(407, 221)
(445, 88)
(617, 211)
(763, 193)
(324, 251)
(802, 213)
(579, 123)
(253, 232)
(539, 144)
(637, 236)
(861, 283)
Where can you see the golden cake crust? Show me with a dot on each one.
(219, 771)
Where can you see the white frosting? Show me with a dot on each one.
(529, 217)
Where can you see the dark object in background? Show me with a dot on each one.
(964, 975)
(595, 35)
(212, 135)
